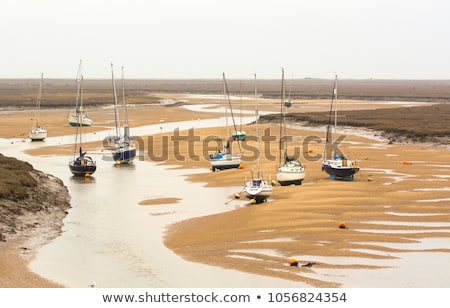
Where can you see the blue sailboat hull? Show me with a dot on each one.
(124, 154)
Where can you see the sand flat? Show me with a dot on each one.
(393, 178)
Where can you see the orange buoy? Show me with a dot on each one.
(293, 262)
(342, 225)
(405, 162)
(241, 166)
(87, 175)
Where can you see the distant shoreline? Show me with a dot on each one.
(59, 92)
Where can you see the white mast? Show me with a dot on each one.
(116, 115)
(225, 105)
(282, 144)
(126, 128)
(256, 130)
(38, 104)
(79, 103)
(335, 108)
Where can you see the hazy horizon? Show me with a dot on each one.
(200, 39)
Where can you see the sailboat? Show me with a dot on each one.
(239, 134)
(227, 159)
(257, 188)
(336, 164)
(290, 170)
(78, 116)
(81, 164)
(38, 133)
(124, 148)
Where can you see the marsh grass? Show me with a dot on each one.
(419, 123)
(60, 92)
(15, 177)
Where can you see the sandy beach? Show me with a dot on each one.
(399, 198)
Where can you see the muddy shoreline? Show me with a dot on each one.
(26, 225)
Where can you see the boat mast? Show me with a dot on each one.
(256, 130)
(282, 118)
(79, 103)
(126, 131)
(335, 111)
(77, 107)
(330, 131)
(38, 103)
(229, 102)
(225, 105)
(116, 115)
(227, 99)
(240, 101)
(335, 108)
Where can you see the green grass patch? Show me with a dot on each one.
(15, 177)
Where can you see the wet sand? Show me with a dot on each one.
(400, 188)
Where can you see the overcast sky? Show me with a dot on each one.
(202, 38)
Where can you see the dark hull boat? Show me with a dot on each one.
(124, 153)
(340, 168)
(83, 165)
(336, 164)
(124, 147)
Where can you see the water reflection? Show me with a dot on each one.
(83, 180)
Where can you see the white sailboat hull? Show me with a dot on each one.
(258, 190)
(290, 175)
(75, 120)
(37, 134)
(227, 161)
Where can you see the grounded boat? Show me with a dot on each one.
(257, 188)
(38, 133)
(78, 117)
(238, 134)
(81, 164)
(225, 160)
(290, 170)
(335, 163)
(124, 147)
